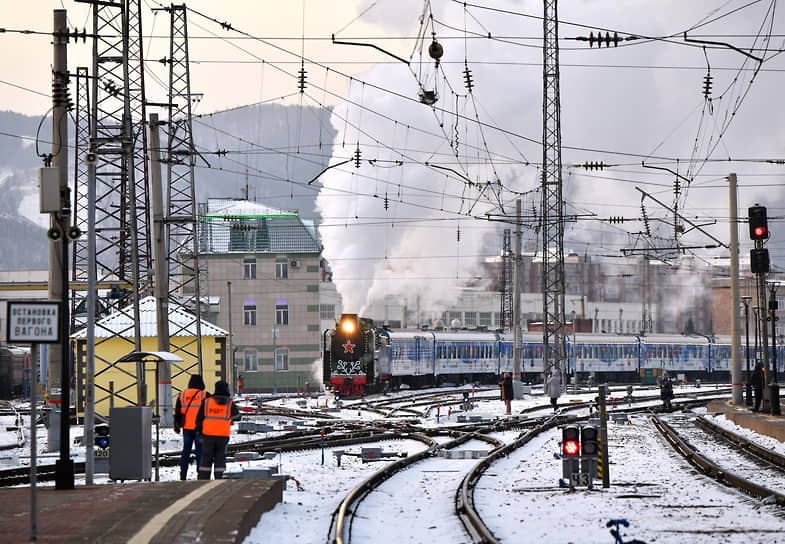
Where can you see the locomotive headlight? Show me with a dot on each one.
(347, 326)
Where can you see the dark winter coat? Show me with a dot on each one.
(666, 390)
(506, 387)
(756, 379)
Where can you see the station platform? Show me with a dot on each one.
(760, 422)
(215, 511)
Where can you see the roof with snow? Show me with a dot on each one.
(181, 323)
(242, 226)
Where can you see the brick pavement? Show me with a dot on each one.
(225, 512)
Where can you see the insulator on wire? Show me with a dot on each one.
(707, 82)
(386, 202)
(593, 165)
(467, 77)
(608, 39)
(645, 220)
(357, 156)
(458, 234)
(301, 79)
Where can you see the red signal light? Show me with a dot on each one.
(571, 447)
(570, 441)
(760, 232)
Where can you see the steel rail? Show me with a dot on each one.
(712, 470)
(464, 495)
(340, 531)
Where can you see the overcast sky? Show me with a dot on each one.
(446, 169)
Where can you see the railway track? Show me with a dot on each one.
(727, 457)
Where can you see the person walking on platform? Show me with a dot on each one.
(188, 403)
(213, 422)
(756, 379)
(506, 387)
(553, 388)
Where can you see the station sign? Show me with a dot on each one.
(33, 322)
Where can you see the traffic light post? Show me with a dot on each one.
(579, 450)
(759, 265)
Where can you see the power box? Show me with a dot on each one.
(130, 456)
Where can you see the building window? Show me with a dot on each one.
(471, 319)
(485, 319)
(281, 268)
(250, 361)
(249, 313)
(249, 269)
(281, 359)
(282, 313)
(326, 312)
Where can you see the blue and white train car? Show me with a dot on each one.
(411, 352)
(678, 353)
(602, 353)
(466, 353)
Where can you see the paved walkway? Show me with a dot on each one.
(760, 422)
(216, 511)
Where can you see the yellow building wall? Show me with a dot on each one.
(119, 381)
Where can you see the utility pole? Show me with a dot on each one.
(517, 387)
(735, 337)
(161, 254)
(232, 367)
(58, 249)
(774, 388)
(552, 217)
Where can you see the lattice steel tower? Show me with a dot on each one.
(552, 224)
(181, 221)
(116, 109)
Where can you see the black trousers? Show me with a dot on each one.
(758, 396)
(213, 456)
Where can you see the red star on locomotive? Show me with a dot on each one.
(348, 347)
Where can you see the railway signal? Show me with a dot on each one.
(102, 436)
(589, 449)
(570, 451)
(570, 445)
(759, 261)
(759, 225)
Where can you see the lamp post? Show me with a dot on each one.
(574, 358)
(275, 358)
(748, 385)
(755, 310)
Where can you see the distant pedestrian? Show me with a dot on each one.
(554, 389)
(666, 391)
(188, 403)
(756, 380)
(214, 422)
(506, 389)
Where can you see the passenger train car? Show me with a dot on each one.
(424, 358)
(14, 372)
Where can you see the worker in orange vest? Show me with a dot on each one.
(214, 422)
(188, 403)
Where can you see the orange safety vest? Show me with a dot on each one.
(190, 401)
(217, 418)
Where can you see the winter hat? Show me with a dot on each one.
(196, 382)
(221, 389)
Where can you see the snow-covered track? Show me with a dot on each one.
(722, 474)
